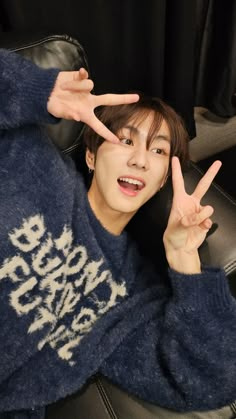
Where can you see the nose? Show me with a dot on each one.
(139, 157)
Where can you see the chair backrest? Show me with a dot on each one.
(148, 225)
(61, 51)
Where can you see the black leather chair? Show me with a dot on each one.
(100, 399)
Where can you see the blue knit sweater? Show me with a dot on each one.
(74, 298)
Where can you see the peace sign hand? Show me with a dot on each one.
(189, 221)
(71, 98)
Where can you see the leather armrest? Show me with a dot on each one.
(100, 399)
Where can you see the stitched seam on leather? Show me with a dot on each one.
(233, 407)
(216, 186)
(74, 146)
(43, 40)
(230, 267)
(52, 38)
(70, 149)
(105, 399)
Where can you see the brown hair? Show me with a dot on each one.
(116, 117)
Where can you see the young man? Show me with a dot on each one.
(76, 297)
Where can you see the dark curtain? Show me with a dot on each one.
(216, 52)
(131, 45)
(182, 51)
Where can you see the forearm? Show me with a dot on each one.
(24, 91)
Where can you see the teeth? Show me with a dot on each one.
(132, 181)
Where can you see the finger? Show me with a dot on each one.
(195, 219)
(81, 74)
(78, 85)
(101, 129)
(85, 85)
(177, 177)
(205, 182)
(113, 99)
(206, 224)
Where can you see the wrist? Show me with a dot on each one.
(184, 262)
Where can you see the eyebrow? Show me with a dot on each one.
(157, 137)
(162, 137)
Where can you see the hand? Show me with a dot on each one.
(189, 221)
(71, 98)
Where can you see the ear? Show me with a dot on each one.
(90, 159)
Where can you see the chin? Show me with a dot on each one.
(125, 209)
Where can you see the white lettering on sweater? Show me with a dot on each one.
(57, 285)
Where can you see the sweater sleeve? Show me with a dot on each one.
(182, 358)
(30, 167)
(24, 91)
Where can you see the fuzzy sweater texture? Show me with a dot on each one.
(76, 300)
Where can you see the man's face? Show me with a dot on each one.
(128, 174)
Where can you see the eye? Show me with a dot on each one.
(158, 150)
(126, 141)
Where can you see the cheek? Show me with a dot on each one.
(158, 178)
(104, 167)
(159, 168)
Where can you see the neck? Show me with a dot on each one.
(113, 221)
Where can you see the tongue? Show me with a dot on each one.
(127, 185)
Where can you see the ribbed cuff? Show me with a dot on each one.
(41, 86)
(204, 291)
(27, 88)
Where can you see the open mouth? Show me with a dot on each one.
(131, 184)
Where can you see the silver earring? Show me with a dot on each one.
(90, 170)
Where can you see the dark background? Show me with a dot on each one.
(182, 51)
